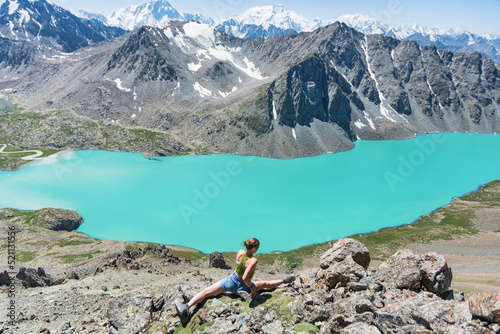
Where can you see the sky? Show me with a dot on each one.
(479, 16)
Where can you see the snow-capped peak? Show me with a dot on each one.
(277, 16)
(150, 13)
(364, 23)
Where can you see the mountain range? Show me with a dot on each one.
(286, 96)
(273, 21)
(34, 20)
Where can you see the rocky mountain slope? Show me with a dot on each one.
(285, 97)
(454, 40)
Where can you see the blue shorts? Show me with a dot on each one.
(233, 283)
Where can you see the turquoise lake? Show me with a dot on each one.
(213, 203)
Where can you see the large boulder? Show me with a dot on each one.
(217, 261)
(31, 278)
(436, 276)
(486, 306)
(57, 220)
(5, 278)
(343, 248)
(400, 271)
(129, 314)
(407, 270)
(348, 269)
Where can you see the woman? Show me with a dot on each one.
(240, 281)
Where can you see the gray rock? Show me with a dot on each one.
(129, 314)
(453, 294)
(486, 306)
(31, 278)
(342, 249)
(401, 271)
(275, 327)
(436, 276)
(392, 322)
(364, 305)
(348, 269)
(73, 275)
(57, 220)
(440, 314)
(406, 270)
(217, 261)
(356, 286)
(360, 327)
(330, 279)
(335, 324)
(4, 278)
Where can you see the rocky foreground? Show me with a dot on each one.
(408, 293)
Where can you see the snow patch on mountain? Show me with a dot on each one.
(199, 39)
(13, 6)
(203, 34)
(202, 90)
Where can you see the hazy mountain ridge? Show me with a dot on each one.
(44, 23)
(287, 96)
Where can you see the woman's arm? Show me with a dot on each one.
(248, 272)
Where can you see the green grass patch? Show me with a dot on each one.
(25, 256)
(70, 242)
(305, 327)
(193, 256)
(202, 150)
(195, 325)
(488, 194)
(133, 247)
(271, 301)
(73, 258)
(30, 218)
(52, 254)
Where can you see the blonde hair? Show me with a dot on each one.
(251, 243)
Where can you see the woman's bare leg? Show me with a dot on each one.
(212, 290)
(259, 285)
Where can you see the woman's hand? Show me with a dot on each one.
(254, 291)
